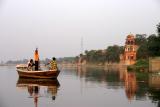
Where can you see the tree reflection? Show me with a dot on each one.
(154, 90)
(137, 85)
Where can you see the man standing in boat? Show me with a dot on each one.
(36, 59)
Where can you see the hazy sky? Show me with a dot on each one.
(56, 26)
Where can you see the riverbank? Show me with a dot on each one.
(106, 67)
(141, 65)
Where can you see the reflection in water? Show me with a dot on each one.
(34, 91)
(138, 86)
(154, 81)
(33, 87)
(154, 84)
(130, 84)
(100, 75)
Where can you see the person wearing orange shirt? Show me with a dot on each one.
(36, 59)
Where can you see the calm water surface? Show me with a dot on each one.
(87, 87)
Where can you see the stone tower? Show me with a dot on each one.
(129, 56)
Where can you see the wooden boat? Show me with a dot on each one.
(24, 73)
(44, 74)
(21, 66)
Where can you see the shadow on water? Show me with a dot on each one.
(33, 87)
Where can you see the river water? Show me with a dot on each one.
(82, 87)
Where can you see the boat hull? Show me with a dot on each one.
(38, 74)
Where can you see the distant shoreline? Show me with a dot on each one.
(8, 64)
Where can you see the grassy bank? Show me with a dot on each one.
(141, 65)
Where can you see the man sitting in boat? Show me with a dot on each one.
(53, 64)
(30, 65)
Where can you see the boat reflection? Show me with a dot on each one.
(35, 87)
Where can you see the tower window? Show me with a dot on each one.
(131, 57)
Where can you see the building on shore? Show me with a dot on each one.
(130, 51)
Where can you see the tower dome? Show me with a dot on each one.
(130, 40)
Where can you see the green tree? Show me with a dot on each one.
(113, 53)
(158, 29)
(95, 56)
(141, 41)
(154, 45)
(142, 52)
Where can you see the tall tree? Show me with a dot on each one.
(158, 29)
(141, 41)
(154, 45)
(113, 53)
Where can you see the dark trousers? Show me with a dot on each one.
(36, 65)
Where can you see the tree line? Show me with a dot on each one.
(43, 61)
(111, 54)
(148, 46)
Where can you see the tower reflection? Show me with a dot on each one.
(130, 84)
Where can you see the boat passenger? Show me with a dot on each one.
(53, 64)
(30, 65)
(36, 59)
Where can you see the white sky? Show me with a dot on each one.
(56, 26)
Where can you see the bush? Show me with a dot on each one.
(141, 65)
